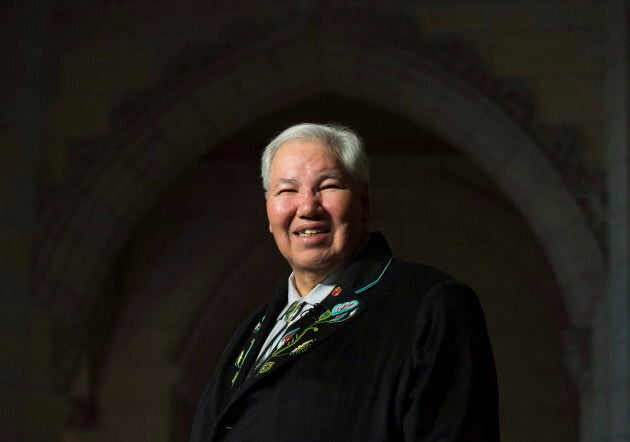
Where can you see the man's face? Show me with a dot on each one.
(317, 213)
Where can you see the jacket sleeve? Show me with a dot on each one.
(454, 394)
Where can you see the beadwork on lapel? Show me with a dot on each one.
(292, 344)
(342, 316)
(344, 307)
(266, 367)
(259, 325)
(325, 315)
(302, 347)
(240, 359)
(287, 337)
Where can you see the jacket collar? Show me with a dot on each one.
(369, 266)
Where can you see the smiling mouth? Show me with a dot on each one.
(310, 232)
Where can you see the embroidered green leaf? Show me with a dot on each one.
(239, 359)
(234, 378)
(325, 315)
(266, 367)
(302, 347)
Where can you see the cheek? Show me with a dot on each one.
(342, 209)
(278, 213)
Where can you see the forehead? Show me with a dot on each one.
(301, 156)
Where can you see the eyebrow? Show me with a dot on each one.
(287, 181)
(321, 177)
(332, 174)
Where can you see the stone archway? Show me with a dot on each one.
(84, 233)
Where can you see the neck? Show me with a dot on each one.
(304, 283)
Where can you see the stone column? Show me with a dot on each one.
(31, 410)
(617, 385)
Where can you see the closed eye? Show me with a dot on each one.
(331, 186)
(285, 191)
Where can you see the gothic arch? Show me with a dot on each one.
(81, 244)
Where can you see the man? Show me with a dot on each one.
(355, 345)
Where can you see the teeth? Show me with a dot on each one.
(309, 232)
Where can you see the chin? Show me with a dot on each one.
(314, 264)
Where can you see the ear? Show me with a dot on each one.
(270, 229)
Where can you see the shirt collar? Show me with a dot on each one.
(317, 294)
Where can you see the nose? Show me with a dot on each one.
(310, 205)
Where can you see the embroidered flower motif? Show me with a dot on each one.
(340, 313)
(342, 317)
(287, 337)
(344, 307)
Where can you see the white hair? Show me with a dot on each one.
(343, 143)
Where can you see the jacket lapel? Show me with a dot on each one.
(331, 315)
(249, 352)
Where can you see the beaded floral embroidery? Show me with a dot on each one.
(291, 343)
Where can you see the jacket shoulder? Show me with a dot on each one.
(422, 288)
(421, 275)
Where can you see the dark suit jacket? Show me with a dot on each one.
(401, 353)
